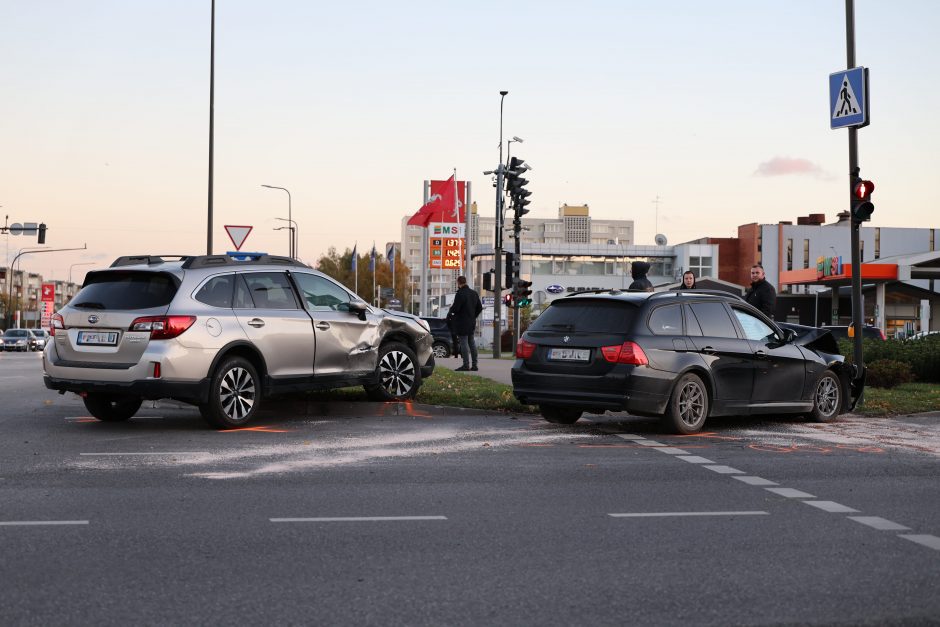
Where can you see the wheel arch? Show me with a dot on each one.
(241, 348)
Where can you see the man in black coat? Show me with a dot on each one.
(639, 269)
(762, 294)
(462, 319)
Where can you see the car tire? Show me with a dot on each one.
(107, 408)
(441, 350)
(827, 398)
(234, 394)
(688, 405)
(398, 373)
(560, 415)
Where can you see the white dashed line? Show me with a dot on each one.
(649, 443)
(630, 436)
(832, 507)
(790, 493)
(755, 480)
(725, 470)
(929, 541)
(879, 523)
(670, 450)
(34, 523)
(358, 519)
(139, 454)
(694, 459)
(667, 514)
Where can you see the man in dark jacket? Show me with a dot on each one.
(762, 294)
(639, 269)
(463, 320)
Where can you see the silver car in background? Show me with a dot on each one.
(223, 335)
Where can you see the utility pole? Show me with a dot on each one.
(853, 176)
(498, 241)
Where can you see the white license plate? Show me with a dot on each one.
(97, 338)
(569, 354)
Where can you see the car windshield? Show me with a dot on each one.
(122, 290)
(586, 316)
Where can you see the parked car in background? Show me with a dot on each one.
(38, 339)
(223, 335)
(16, 340)
(683, 356)
(923, 334)
(868, 332)
(443, 339)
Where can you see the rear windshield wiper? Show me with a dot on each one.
(90, 305)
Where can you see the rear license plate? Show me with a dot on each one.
(97, 338)
(569, 354)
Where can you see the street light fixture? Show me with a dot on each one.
(295, 233)
(84, 263)
(292, 247)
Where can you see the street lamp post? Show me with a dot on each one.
(498, 240)
(292, 248)
(84, 263)
(295, 233)
(13, 265)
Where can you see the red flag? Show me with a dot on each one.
(440, 207)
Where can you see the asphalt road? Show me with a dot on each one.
(390, 514)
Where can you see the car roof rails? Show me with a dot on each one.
(604, 290)
(239, 259)
(698, 292)
(150, 260)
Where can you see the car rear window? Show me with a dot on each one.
(121, 290)
(586, 316)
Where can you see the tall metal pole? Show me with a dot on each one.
(498, 241)
(292, 242)
(211, 127)
(855, 225)
(422, 306)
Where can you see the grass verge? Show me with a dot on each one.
(908, 398)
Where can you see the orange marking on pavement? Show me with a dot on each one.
(536, 445)
(261, 429)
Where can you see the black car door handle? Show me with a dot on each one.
(708, 350)
(761, 355)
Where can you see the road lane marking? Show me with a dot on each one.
(649, 443)
(358, 519)
(750, 480)
(790, 493)
(725, 470)
(832, 507)
(143, 454)
(879, 523)
(23, 523)
(666, 514)
(927, 540)
(671, 450)
(694, 459)
(629, 436)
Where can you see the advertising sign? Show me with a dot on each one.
(48, 304)
(828, 266)
(446, 245)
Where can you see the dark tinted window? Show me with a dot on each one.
(125, 290)
(586, 316)
(666, 320)
(691, 324)
(217, 292)
(270, 290)
(714, 319)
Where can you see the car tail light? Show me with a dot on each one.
(524, 349)
(163, 327)
(58, 322)
(626, 353)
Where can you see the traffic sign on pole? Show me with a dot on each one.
(848, 98)
(238, 234)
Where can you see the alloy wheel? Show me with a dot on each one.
(237, 393)
(397, 372)
(827, 396)
(692, 404)
(440, 351)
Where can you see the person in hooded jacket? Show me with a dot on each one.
(462, 320)
(639, 269)
(761, 294)
(688, 281)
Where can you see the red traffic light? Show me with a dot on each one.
(863, 189)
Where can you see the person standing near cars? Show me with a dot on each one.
(761, 294)
(688, 281)
(638, 270)
(462, 319)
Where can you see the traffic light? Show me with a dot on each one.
(510, 258)
(515, 186)
(862, 206)
(521, 293)
(488, 281)
(42, 233)
(507, 299)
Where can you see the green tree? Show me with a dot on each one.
(339, 266)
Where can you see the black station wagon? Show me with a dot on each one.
(681, 355)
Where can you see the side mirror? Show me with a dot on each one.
(789, 335)
(359, 309)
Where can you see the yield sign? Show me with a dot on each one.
(238, 234)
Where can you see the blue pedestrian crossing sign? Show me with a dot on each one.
(848, 98)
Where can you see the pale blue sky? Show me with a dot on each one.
(104, 115)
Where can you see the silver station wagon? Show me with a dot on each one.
(224, 334)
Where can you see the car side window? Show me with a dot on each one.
(217, 292)
(714, 320)
(321, 294)
(267, 290)
(692, 327)
(754, 328)
(666, 320)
